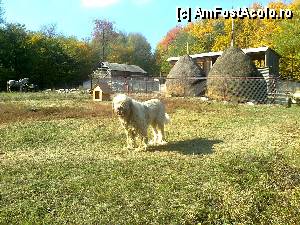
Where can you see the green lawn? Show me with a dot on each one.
(62, 160)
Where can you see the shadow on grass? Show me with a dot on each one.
(194, 146)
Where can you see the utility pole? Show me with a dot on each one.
(232, 33)
(103, 45)
(187, 48)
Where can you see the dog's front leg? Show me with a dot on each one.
(129, 140)
(154, 131)
(134, 138)
(145, 142)
(161, 134)
(144, 137)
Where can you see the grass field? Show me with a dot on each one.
(63, 161)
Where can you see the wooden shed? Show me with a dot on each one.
(122, 70)
(264, 58)
(102, 92)
(113, 71)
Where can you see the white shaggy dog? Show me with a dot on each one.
(136, 117)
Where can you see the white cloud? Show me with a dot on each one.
(99, 3)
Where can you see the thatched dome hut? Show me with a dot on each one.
(232, 77)
(182, 79)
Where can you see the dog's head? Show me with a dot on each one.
(121, 105)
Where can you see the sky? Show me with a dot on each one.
(152, 18)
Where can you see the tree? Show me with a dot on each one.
(104, 35)
(215, 35)
(49, 30)
(205, 31)
(119, 47)
(1, 13)
(59, 62)
(13, 49)
(121, 52)
(162, 50)
(14, 62)
(141, 52)
(170, 37)
(53, 60)
(287, 44)
(133, 49)
(47, 60)
(180, 44)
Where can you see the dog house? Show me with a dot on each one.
(102, 92)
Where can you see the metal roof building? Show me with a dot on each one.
(108, 72)
(122, 70)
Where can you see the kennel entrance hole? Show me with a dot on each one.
(97, 95)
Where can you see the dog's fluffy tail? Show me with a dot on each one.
(167, 118)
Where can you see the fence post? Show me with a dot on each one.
(146, 85)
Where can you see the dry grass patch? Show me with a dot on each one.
(13, 112)
(224, 164)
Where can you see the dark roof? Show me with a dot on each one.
(105, 88)
(123, 67)
(234, 63)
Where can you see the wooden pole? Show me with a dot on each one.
(187, 48)
(103, 44)
(232, 33)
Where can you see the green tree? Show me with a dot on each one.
(47, 60)
(141, 52)
(121, 52)
(111, 45)
(14, 61)
(133, 49)
(53, 60)
(287, 44)
(59, 61)
(1, 13)
(13, 49)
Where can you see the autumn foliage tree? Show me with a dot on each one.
(103, 38)
(215, 35)
(287, 44)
